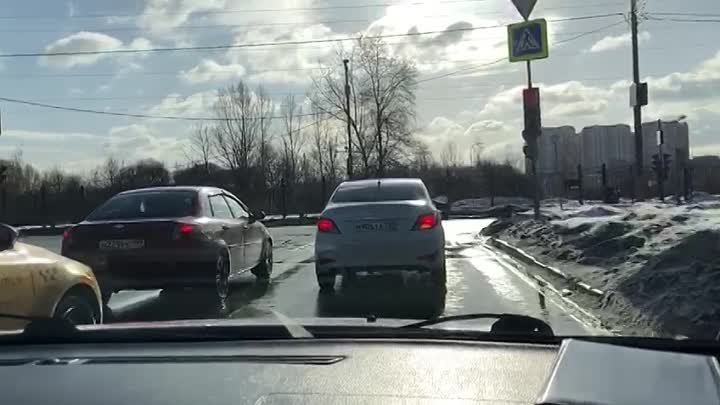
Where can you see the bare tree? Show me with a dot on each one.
(235, 136)
(449, 155)
(110, 172)
(382, 102)
(264, 110)
(319, 137)
(422, 157)
(201, 145)
(329, 88)
(389, 89)
(291, 138)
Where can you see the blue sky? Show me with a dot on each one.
(584, 81)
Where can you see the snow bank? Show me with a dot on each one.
(658, 263)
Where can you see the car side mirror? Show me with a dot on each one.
(8, 237)
(258, 215)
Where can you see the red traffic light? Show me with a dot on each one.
(531, 97)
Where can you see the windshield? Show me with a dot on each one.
(384, 192)
(166, 204)
(563, 166)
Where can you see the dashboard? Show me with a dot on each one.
(341, 371)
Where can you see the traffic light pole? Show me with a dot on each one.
(661, 163)
(533, 148)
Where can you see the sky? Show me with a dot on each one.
(584, 81)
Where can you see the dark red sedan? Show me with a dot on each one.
(167, 237)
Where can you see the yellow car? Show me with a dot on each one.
(37, 283)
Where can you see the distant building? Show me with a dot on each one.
(706, 173)
(561, 150)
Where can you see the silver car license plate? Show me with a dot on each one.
(122, 244)
(376, 227)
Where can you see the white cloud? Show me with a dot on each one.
(86, 42)
(703, 82)
(610, 42)
(209, 71)
(43, 137)
(195, 105)
(139, 141)
(442, 130)
(559, 101)
(287, 65)
(160, 17)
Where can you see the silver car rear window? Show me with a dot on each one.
(385, 192)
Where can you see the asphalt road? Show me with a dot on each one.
(479, 279)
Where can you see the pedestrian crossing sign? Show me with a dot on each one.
(528, 40)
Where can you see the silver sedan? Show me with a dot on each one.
(378, 226)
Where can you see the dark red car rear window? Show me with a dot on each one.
(151, 204)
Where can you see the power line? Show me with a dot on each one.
(285, 9)
(690, 20)
(476, 68)
(236, 46)
(266, 44)
(396, 41)
(285, 93)
(689, 14)
(245, 11)
(130, 115)
(166, 117)
(271, 24)
(595, 31)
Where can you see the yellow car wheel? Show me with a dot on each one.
(77, 308)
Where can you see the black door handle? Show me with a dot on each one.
(225, 227)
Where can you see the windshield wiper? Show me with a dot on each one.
(505, 323)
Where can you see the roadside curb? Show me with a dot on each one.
(520, 254)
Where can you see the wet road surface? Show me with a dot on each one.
(479, 279)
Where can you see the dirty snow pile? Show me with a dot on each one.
(658, 263)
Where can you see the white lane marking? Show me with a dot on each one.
(498, 278)
(588, 326)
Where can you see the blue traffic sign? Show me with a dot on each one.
(528, 40)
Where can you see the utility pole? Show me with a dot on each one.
(349, 125)
(661, 161)
(639, 89)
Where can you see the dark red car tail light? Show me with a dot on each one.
(186, 229)
(183, 231)
(66, 239)
(327, 225)
(426, 221)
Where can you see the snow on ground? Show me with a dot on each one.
(659, 263)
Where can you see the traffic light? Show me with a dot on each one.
(3, 173)
(530, 149)
(531, 109)
(667, 160)
(656, 164)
